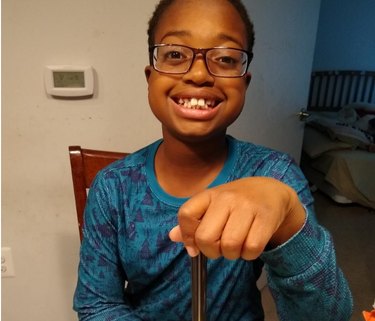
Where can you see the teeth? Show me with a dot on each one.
(195, 103)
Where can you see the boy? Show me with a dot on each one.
(239, 204)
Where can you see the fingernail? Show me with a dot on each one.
(192, 251)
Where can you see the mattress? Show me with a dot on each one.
(317, 181)
(351, 172)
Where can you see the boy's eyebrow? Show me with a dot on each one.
(223, 36)
(177, 33)
(185, 33)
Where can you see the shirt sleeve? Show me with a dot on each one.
(303, 276)
(100, 291)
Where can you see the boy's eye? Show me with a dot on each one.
(174, 55)
(227, 60)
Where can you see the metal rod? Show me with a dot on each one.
(198, 287)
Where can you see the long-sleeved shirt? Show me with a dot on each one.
(127, 220)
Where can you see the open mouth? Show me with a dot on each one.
(196, 103)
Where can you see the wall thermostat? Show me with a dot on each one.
(69, 81)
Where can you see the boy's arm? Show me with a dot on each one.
(245, 216)
(303, 275)
(100, 290)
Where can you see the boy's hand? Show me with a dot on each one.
(239, 219)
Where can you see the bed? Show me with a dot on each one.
(338, 153)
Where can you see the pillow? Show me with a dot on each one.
(315, 143)
(348, 115)
(343, 132)
(322, 124)
(351, 135)
(364, 123)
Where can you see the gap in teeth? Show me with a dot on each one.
(196, 103)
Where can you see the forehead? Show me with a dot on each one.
(202, 23)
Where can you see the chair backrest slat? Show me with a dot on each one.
(85, 164)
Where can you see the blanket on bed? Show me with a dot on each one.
(341, 146)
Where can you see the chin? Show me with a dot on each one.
(195, 137)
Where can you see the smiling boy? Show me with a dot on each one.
(239, 204)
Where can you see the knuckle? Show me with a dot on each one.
(262, 208)
(230, 245)
(204, 239)
(227, 196)
(185, 213)
(254, 248)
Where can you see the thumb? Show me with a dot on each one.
(176, 236)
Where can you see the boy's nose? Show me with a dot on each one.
(198, 72)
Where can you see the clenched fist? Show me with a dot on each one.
(239, 219)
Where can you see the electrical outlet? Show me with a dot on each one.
(7, 267)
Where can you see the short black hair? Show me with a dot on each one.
(163, 5)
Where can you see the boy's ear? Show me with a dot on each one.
(248, 79)
(148, 70)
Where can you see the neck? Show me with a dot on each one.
(192, 153)
(184, 168)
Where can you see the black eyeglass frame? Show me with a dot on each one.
(197, 51)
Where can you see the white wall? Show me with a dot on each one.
(284, 46)
(346, 36)
(38, 212)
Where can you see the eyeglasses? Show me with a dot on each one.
(220, 61)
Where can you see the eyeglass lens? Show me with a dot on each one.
(225, 62)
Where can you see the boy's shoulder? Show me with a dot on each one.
(133, 161)
(258, 160)
(247, 149)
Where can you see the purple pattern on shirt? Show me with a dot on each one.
(126, 237)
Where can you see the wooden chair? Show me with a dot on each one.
(85, 164)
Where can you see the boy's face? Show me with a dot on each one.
(198, 24)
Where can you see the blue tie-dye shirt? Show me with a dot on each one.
(127, 220)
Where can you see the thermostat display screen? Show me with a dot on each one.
(69, 79)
